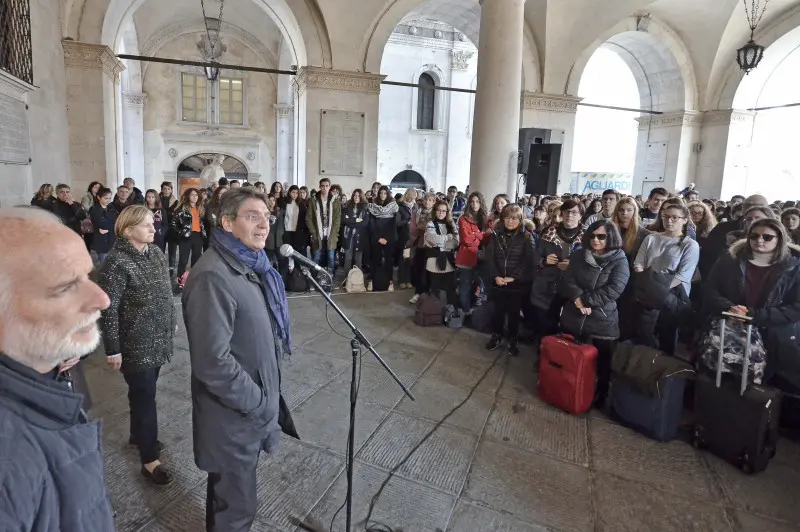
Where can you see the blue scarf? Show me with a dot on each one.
(271, 284)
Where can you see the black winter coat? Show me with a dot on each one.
(510, 255)
(52, 473)
(46, 204)
(180, 224)
(403, 224)
(778, 320)
(70, 214)
(103, 219)
(356, 234)
(161, 224)
(547, 279)
(599, 283)
(140, 321)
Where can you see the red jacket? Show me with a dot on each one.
(469, 238)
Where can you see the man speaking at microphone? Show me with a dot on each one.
(237, 320)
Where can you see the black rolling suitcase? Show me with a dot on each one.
(736, 421)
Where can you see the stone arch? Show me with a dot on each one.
(409, 177)
(213, 151)
(779, 39)
(440, 79)
(650, 51)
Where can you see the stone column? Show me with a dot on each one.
(722, 167)
(133, 139)
(493, 166)
(92, 72)
(321, 89)
(284, 121)
(676, 132)
(556, 113)
(459, 124)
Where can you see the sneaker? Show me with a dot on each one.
(414, 299)
(391, 287)
(494, 343)
(513, 350)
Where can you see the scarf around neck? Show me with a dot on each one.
(271, 285)
(383, 211)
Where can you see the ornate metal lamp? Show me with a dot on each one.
(750, 55)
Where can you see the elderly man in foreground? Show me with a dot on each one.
(237, 320)
(51, 477)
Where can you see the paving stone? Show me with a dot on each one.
(325, 417)
(466, 372)
(170, 405)
(772, 493)
(539, 428)
(469, 517)
(434, 399)
(626, 506)
(442, 460)
(423, 338)
(311, 368)
(376, 385)
(329, 344)
(752, 523)
(675, 466)
(295, 393)
(186, 513)
(401, 357)
(293, 480)
(402, 505)
(532, 487)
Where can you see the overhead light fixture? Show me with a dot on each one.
(213, 49)
(750, 55)
(212, 72)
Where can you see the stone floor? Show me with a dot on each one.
(503, 462)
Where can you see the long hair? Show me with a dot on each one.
(481, 216)
(156, 203)
(629, 242)
(679, 205)
(590, 209)
(781, 252)
(613, 240)
(448, 219)
(389, 197)
(91, 186)
(186, 203)
(362, 200)
(708, 222)
(45, 191)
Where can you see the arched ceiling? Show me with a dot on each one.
(231, 165)
(464, 15)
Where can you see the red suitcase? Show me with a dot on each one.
(567, 370)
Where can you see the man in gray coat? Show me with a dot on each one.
(237, 320)
(51, 476)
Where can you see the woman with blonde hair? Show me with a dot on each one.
(626, 218)
(44, 198)
(138, 327)
(703, 219)
(408, 209)
(416, 242)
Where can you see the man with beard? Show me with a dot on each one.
(52, 474)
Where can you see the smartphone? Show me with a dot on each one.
(737, 316)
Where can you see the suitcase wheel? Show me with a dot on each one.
(697, 440)
(747, 468)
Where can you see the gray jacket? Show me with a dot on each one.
(235, 371)
(51, 475)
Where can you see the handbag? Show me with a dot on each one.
(651, 288)
(86, 226)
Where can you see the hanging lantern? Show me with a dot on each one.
(749, 56)
(212, 72)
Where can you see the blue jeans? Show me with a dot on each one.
(466, 276)
(331, 254)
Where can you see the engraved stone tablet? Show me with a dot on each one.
(342, 143)
(15, 146)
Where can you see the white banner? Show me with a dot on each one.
(593, 182)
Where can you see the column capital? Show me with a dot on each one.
(671, 119)
(92, 57)
(134, 99)
(554, 103)
(726, 117)
(283, 110)
(337, 80)
(461, 59)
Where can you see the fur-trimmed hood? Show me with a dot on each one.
(737, 248)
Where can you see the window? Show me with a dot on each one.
(195, 99)
(15, 39)
(231, 104)
(425, 102)
(225, 106)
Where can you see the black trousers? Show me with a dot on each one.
(507, 304)
(172, 248)
(605, 350)
(420, 277)
(193, 244)
(231, 501)
(444, 282)
(144, 415)
(548, 319)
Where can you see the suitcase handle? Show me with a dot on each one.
(555, 364)
(746, 356)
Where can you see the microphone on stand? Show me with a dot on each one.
(289, 252)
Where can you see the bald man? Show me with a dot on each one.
(717, 243)
(51, 477)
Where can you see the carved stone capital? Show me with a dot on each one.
(283, 110)
(674, 119)
(553, 103)
(726, 117)
(461, 59)
(92, 57)
(337, 80)
(134, 99)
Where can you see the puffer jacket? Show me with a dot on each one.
(547, 280)
(778, 319)
(598, 282)
(470, 238)
(510, 255)
(52, 474)
(355, 220)
(180, 224)
(140, 321)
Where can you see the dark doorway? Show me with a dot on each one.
(408, 179)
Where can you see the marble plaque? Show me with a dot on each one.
(655, 163)
(341, 143)
(15, 146)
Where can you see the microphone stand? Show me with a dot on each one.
(355, 346)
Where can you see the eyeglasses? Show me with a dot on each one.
(256, 218)
(672, 218)
(599, 236)
(767, 237)
(698, 213)
(570, 213)
(441, 211)
(511, 219)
